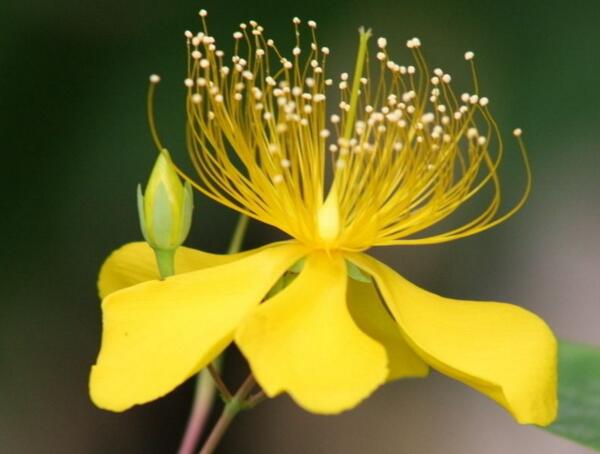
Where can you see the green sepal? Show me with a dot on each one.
(163, 234)
(298, 266)
(285, 280)
(354, 272)
(141, 215)
(187, 207)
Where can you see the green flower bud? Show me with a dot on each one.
(165, 211)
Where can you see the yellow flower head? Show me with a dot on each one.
(402, 152)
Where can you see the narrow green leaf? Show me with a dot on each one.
(578, 394)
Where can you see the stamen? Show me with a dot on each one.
(406, 150)
(154, 80)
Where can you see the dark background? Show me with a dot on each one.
(74, 144)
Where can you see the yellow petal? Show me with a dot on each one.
(501, 350)
(159, 333)
(135, 262)
(373, 319)
(304, 341)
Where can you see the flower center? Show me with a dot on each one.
(328, 219)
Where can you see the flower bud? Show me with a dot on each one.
(165, 210)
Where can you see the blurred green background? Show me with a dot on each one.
(73, 78)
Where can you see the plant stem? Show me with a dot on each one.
(204, 394)
(255, 399)
(218, 381)
(232, 408)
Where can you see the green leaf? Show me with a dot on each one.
(578, 394)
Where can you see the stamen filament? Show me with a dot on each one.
(154, 80)
(406, 150)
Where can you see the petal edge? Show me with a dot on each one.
(134, 263)
(305, 342)
(159, 333)
(372, 318)
(501, 350)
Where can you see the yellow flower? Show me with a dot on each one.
(405, 152)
